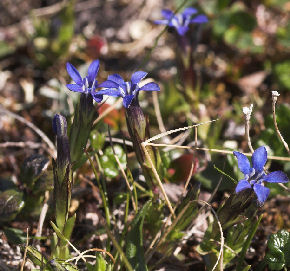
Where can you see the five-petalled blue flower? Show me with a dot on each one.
(85, 85)
(254, 176)
(182, 20)
(115, 86)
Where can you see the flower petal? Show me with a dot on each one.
(262, 192)
(182, 30)
(243, 163)
(189, 11)
(161, 22)
(110, 92)
(128, 100)
(74, 74)
(259, 159)
(138, 76)
(97, 97)
(276, 177)
(116, 78)
(150, 87)
(108, 84)
(200, 19)
(167, 14)
(242, 184)
(93, 70)
(74, 87)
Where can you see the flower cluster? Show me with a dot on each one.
(115, 85)
(182, 20)
(255, 176)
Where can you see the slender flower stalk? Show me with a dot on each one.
(275, 95)
(248, 112)
(137, 123)
(187, 41)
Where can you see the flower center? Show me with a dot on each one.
(86, 86)
(254, 177)
(186, 20)
(122, 91)
(177, 20)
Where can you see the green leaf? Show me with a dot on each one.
(69, 226)
(187, 209)
(283, 34)
(97, 139)
(221, 4)
(32, 168)
(10, 204)
(59, 265)
(243, 20)
(100, 265)
(220, 171)
(58, 232)
(37, 258)
(15, 236)
(65, 31)
(278, 255)
(6, 48)
(108, 161)
(253, 226)
(134, 240)
(282, 73)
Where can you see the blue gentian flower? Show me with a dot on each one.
(115, 86)
(85, 85)
(182, 20)
(254, 176)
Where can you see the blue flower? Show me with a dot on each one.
(115, 86)
(254, 176)
(181, 21)
(85, 85)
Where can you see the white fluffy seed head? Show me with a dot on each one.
(248, 111)
(275, 94)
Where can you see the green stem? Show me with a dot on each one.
(119, 249)
(104, 198)
(135, 196)
(247, 244)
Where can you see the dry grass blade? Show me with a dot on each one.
(82, 255)
(52, 149)
(143, 144)
(127, 182)
(177, 130)
(222, 242)
(275, 95)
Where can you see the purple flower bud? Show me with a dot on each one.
(63, 151)
(59, 125)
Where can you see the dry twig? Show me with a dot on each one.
(275, 96)
(52, 149)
